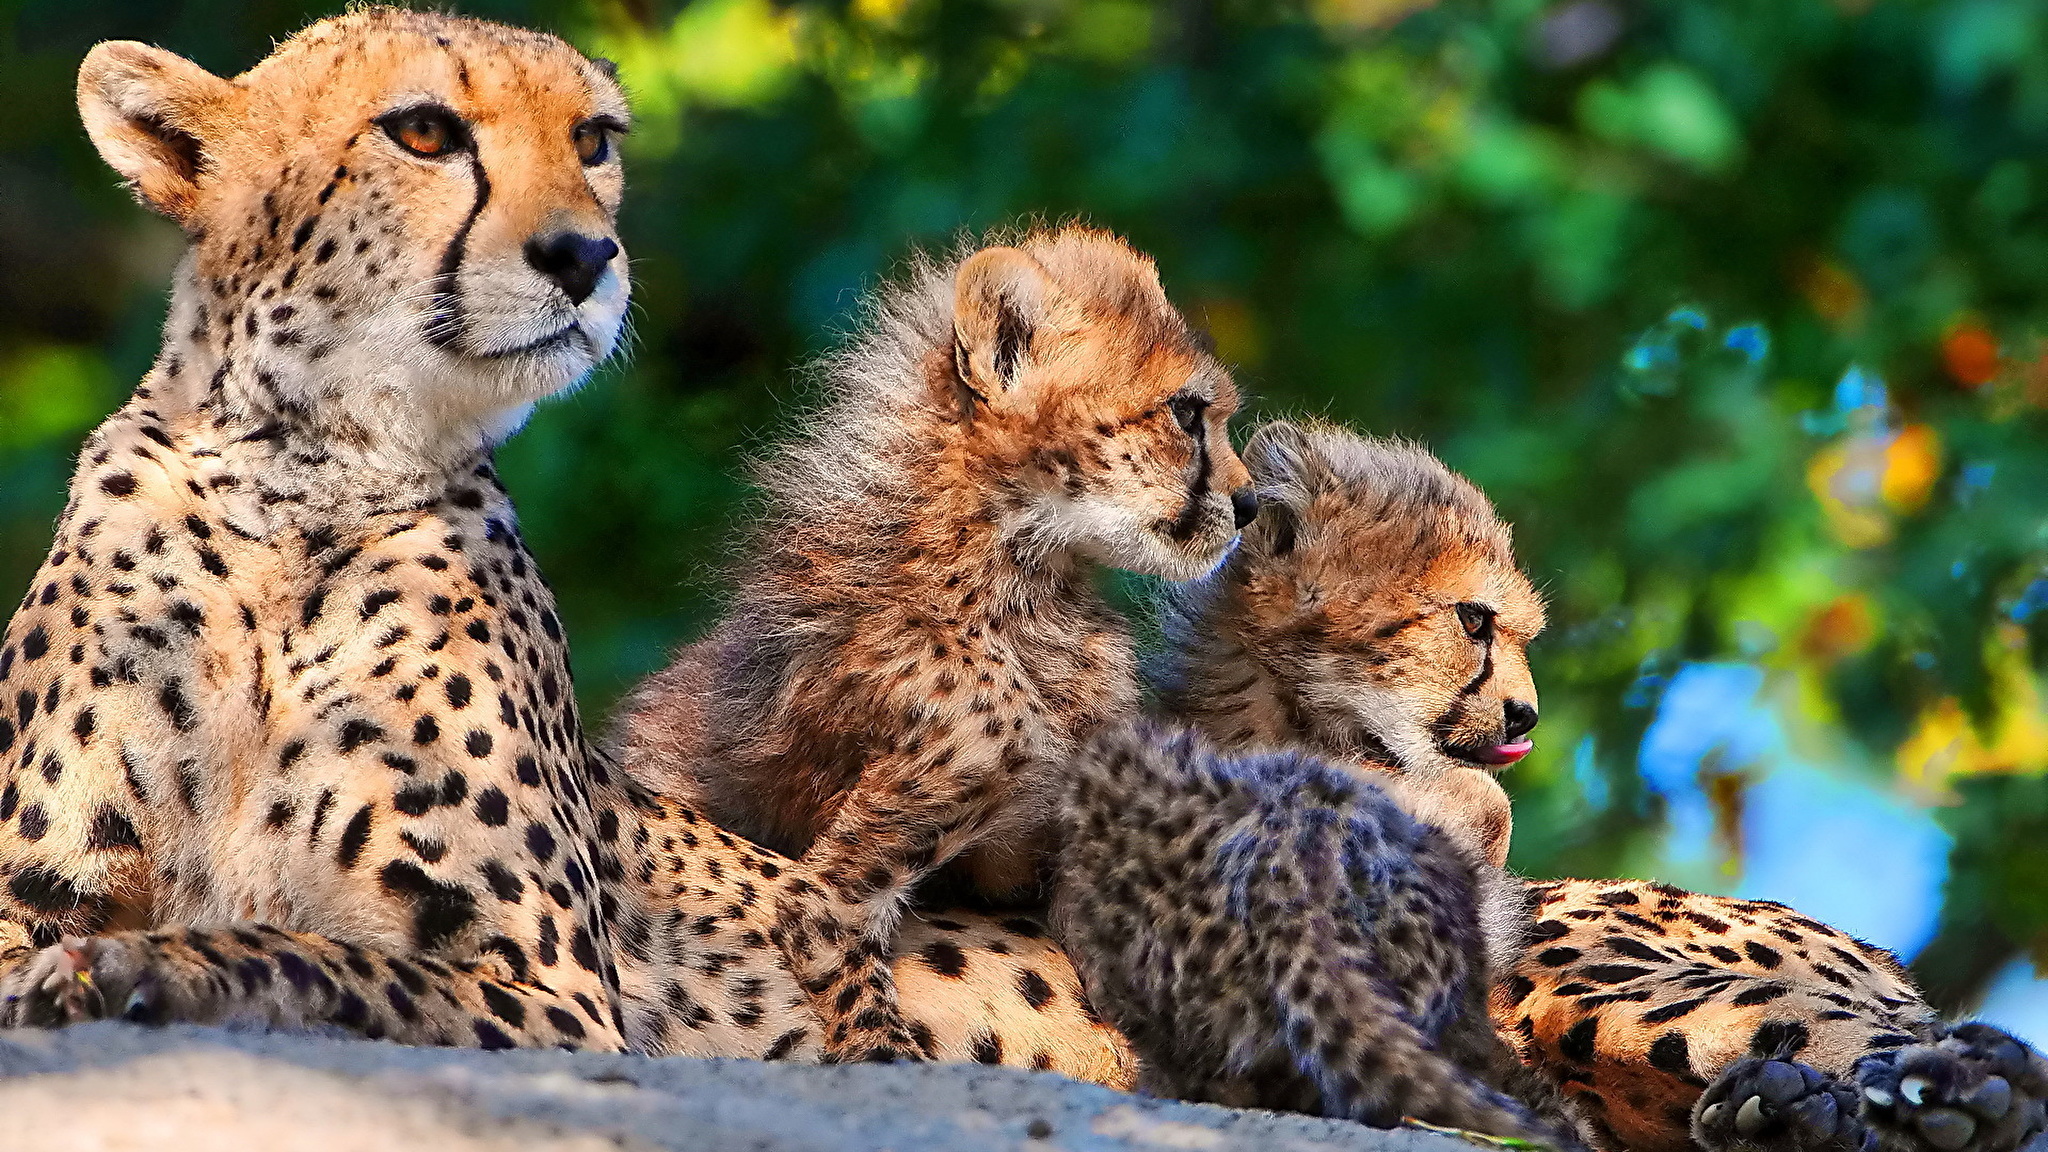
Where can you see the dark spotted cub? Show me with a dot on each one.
(1271, 930)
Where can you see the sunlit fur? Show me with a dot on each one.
(1272, 930)
(287, 734)
(1338, 612)
(338, 282)
(1630, 997)
(915, 646)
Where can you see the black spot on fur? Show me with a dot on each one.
(353, 837)
(1672, 1011)
(1778, 1039)
(945, 958)
(504, 1005)
(111, 830)
(440, 911)
(1578, 1042)
(1034, 989)
(44, 890)
(986, 1048)
(1670, 1053)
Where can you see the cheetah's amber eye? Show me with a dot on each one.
(594, 139)
(1187, 409)
(428, 130)
(1476, 620)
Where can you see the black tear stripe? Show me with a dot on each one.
(1485, 674)
(444, 324)
(1190, 517)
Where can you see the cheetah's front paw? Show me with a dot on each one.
(1977, 1089)
(98, 978)
(54, 987)
(1778, 1105)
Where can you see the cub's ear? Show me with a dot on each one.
(149, 112)
(1288, 469)
(1000, 297)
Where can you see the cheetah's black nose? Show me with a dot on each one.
(572, 260)
(1244, 506)
(1521, 718)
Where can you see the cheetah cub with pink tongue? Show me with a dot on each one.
(916, 649)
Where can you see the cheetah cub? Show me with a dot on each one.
(1358, 876)
(916, 650)
(1375, 616)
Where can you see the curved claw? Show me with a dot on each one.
(1975, 1089)
(1778, 1106)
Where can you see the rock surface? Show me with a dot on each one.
(115, 1086)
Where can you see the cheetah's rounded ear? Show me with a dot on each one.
(1288, 470)
(149, 111)
(1000, 297)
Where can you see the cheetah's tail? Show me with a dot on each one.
(1371, 1065)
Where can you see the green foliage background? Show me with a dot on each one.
(1615, 259)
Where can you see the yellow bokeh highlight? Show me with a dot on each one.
(1946, 745)
(716, 53)
(1912, 463)
(880, 11)
(1235, 329)
(1364, 14)
(1863, 480)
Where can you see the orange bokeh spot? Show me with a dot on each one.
(1970, 354)
(1912, 463)
(1844, 628)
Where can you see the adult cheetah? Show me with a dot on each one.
(289, 735)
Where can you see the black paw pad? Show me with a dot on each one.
(1776, 1104)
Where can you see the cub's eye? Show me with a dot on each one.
(428, 130)
(593, 142)
(1187, 409)
(1476, 620)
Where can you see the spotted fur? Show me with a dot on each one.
(1631, 997)
(289, 736)
(1271, 930)
(916, 648)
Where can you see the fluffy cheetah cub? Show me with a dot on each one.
(1315, 877)
(915, 650)
(1376, 616)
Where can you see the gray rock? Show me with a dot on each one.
(198, 1089)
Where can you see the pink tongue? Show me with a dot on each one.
(1507, 753)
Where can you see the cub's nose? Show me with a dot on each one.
(1521, 719)
(573, 261)
(1244, 506)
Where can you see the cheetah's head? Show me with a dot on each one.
(1380, 591)
(402, 224)
(1098, 405)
